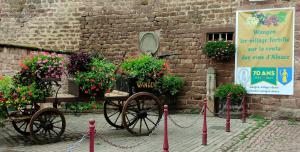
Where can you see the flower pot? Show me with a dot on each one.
(235, 110)
(73, 88)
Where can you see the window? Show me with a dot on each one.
(217, 33)
(219, 36)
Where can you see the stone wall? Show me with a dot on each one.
(112, 27)
(52, 24)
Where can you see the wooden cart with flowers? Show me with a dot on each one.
(21, 96)
(134, 105)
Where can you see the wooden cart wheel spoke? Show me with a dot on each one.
(55, 132)
(24, 122)
(117, 118)
(113, 114)
(156, 115)
(56, 122)
(141, 121)
(151, 121)
(134, 114)
(134, 122)
(146, 124)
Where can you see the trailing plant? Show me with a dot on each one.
(237, 92)
(219, 50)
(98, 79)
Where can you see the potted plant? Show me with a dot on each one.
(143, 71)
(170, 87)
(219, 50)
(38, 69)
(237, 92)
(98, 80)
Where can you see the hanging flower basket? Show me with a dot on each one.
(219, 50)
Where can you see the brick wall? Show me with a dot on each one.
(112, 27)
(53, 24)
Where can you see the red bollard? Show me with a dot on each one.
(166, 142)
(92, 134)
(228, 113)
(204, 128)
(244, 114)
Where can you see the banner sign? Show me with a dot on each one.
(264, 60)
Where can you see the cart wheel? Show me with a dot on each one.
(113, 111)
(21, 126)
(141, 113)
(50, 125)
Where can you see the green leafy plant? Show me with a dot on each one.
(83, 106)
(219, 50)
(20, 95)
(5, 87)
(144, 68)
(237, 92)
(98, 79)
(171, 84)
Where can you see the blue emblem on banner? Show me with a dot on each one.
(285, 75)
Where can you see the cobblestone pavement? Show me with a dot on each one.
(180, 140)
(278, 136)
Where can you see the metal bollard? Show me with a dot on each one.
(166, 143)
(244, 114)
(228, 113)
(204, 128)
(92, 134)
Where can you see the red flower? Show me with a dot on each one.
(86, 91)
(23, 66)
(30, 93)
(93, 87)
(92, 80)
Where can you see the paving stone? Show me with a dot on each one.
(180, 140)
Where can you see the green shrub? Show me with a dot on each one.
(171, 84)
(144, 68)
(237, 92)
(219, 50)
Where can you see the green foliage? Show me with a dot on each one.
(171, 84)
(236, 90)
(81, 106)
(144, 68)
(98, 79)
(5, 87)
(219, 50)
(20, 95)
(6, 84)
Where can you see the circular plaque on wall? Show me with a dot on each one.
(149, 42)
